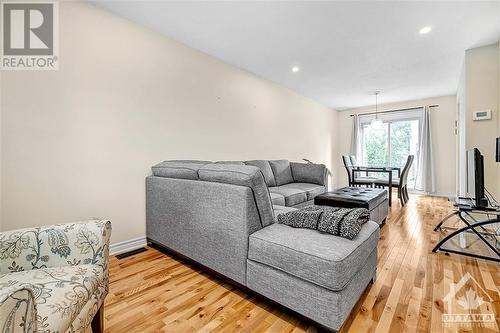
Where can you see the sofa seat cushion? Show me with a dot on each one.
(60, 293)
(323, 259)
(277, 199)
(312, 190)
(293, 196)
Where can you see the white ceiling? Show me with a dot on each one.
(345, 50)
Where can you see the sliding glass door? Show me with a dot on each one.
(391, 143)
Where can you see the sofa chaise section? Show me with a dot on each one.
(326, 307)
(306, 263)
(326, 260)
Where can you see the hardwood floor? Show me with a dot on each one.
(153, 292)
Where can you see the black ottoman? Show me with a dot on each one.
(374, 199)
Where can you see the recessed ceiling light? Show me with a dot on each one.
(425, 30)
(295, 69)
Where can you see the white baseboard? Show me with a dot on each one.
(127, 245)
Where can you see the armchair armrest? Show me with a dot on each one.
(55, 246)
(17, 309)
(310, 173)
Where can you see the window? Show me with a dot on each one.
(391, 143)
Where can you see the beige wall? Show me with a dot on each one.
(443, 134)
(78, 142)
(482, 93)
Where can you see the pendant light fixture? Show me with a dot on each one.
(376, 123)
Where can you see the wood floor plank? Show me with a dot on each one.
(154, 292)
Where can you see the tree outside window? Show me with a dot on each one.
(391, 144)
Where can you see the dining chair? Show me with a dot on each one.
(351, 176)
(400, 183)
(354, 162)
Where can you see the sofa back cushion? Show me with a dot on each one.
(282, 172)
(242, 175)
(265, 167)
(309, 173)
(185, 169)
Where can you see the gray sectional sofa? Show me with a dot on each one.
(222, 215)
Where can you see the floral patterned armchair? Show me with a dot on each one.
(54, 278)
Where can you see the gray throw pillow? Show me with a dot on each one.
(282, 172)
(308, 173)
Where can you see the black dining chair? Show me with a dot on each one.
(400, 183)
(353, 179)
(354, 162)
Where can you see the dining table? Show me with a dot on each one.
(381, 169)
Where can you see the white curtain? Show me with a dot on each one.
(425, 168)
(356, 137)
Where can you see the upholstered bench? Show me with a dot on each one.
(373, 199)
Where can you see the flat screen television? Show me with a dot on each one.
(475, 178)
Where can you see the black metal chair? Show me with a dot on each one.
(351, 175)
(400, 183)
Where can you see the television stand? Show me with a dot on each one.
(476, 233)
